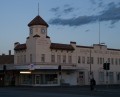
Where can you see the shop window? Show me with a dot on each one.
(101, 76)
(26, 79)
(118, 77)
(47, 79)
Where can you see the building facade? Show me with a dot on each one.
(6, 69)
(39, 62)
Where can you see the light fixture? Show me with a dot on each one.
(25, 72)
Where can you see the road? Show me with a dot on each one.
(58, 92)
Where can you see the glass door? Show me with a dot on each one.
(37, 79)
(81, 78)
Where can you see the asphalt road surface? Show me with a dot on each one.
(58, 92)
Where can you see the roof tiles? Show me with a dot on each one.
(38, 21)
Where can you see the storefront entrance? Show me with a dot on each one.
(81, 78)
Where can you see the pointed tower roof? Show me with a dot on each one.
(38, 21)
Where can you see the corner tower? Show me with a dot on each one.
(38, 27)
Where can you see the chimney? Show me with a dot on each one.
(9, 52)
(3, 54)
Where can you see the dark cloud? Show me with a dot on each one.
(111, 5)
(119, 3)
(87, 30)
(100, 4)
(65, 10)
(68, 10)
(93, 1)
(66, 5)
(56, 9)
(112, 13)
(81, 20)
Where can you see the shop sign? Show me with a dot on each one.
(31, 67)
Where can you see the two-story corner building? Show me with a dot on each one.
(37, 60)
(41, 58)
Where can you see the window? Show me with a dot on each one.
(92, 60)
(26, 79)
(30, 58)
(21, 59)
(88, 60)
(58, 58)
(64, 58)
(79, 59)
(24, 58)
(98, 60)
(31, 30)
(102, 60)
(83, 60)
(118, 76)
(18, 59)
(46, 79)
(101, 76)
(43, 58)
(112, 61)
(111, 77)
(119, 61)
(108, 60)
(52, 58)
(70, 59)
(116, 61)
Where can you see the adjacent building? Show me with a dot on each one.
(40, 62)
(6, 66)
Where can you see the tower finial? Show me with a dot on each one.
(38, 8)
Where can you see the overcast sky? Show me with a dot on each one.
(69, 20)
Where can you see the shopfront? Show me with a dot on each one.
(40, 79)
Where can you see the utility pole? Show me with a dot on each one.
(90, 64)
(60, 73)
